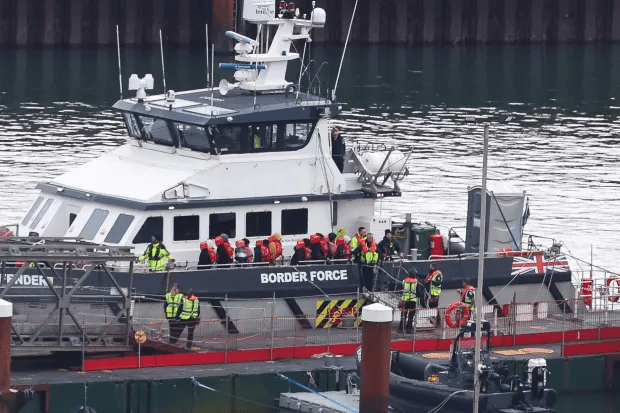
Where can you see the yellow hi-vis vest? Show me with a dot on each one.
(409, 290)
(172, 304)
(435, 290)
(190, 309)
(157, 254)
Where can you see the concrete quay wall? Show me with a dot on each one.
(413, 22)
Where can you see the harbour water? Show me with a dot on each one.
(552, 109)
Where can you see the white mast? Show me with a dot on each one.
(481, 251)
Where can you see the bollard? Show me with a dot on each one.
(375, 362)
(6, 312)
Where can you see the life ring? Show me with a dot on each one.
(454, 308)
(616, 296)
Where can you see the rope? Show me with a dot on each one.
(198, 384)
(443, 403)
(316, 392)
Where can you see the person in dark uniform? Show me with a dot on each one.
(388, 247)
(338, 149)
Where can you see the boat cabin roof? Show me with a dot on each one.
(236, 107)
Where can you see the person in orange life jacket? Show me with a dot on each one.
(275, 247)
(301, 252)
(261, 251)
(248, 250)
(413, 291)
(318, 253)
(189, 316)
(331, 245)
(208, 255)
(388, 247)
(241, 256)
(468, 295)
(357, 246)
(370, 256)
(224, 250)
(343, 249)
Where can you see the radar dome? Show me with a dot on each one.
(318, 17)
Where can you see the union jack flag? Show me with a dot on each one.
(537, 262)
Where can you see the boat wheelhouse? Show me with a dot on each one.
(246, 159)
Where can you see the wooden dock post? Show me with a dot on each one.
(401, 29)
(374, 19)
(221, 22)
(510, 17)
(103, 28)
(590, 29)
(429, 21)
(456, 22)
(6, 313)
(375, 363)
(482, 32)
(185, 19)
(131, 11)
(21, 38)
(75, 36)
(615, 27)
(536, 31)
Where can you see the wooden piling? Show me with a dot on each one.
(429, 21)
(567, 19)
(374, 15)
(103, 27)
(590, 12)
(75, 36)
(21, 38)
(347, 13)
(6, 313)
(400, 30)
(185, 21)
(615, 26)
(131, 11)
(536, 33)
(49, 19)
(482, 30)
(456, 24)
(375, 363)
(222, 21)
(510, 16)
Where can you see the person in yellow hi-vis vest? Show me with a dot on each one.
(189, 315)
(157, 254)
(412, 292)
(171, 308)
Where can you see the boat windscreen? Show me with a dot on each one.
(192, 137)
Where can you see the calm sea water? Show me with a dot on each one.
(553, 113)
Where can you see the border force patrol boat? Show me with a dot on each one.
(250, 158)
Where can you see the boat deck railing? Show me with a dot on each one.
(542, 322)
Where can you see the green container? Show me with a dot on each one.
(421, 239)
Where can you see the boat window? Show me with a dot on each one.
(32, 210)
(42, 212)
(72, 218)
(152, 226)
(258, 224)
(93, 224)
(156, 131)
(119, 228)
(193, 137)
(132, 125)
(297, 135)
(223, 224)
(263, 137)
(334, 213)
(186, 228)
(294, 221)
(228, 138)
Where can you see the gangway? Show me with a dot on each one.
(53, 310)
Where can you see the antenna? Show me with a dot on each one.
(212, 67)
(118, 48)
(207, 47)
(344, 51)
(163, 70)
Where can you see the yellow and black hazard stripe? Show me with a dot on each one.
(329, 312)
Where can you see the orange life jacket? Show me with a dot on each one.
(332, 248)
(265, 254)
(278, 245)
(212, 254)
(362, 243)
(343, 250)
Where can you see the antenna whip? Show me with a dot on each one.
(344, 51)
(163, 70)
(118, 48)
